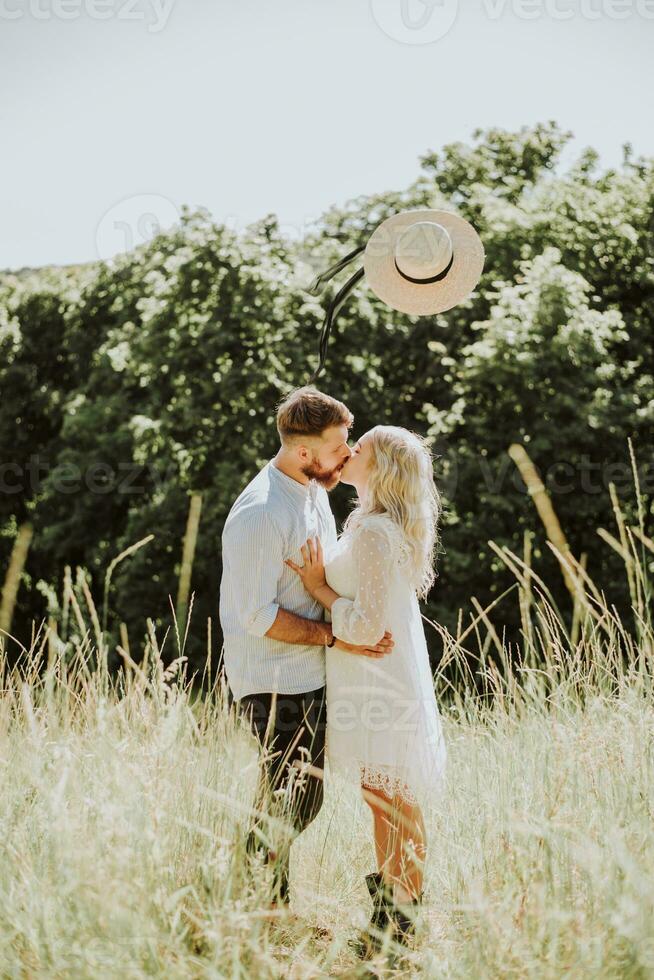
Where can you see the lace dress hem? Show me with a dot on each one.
(375, 777)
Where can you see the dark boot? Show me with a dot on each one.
(370, 940)
(403, 919)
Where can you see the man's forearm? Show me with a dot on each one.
(290, 628)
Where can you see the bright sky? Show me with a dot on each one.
(114, 113)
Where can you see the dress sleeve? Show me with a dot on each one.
(362, 620)
(254, 551)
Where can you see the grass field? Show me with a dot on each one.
(123, 807)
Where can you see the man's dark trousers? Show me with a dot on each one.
(291, 729)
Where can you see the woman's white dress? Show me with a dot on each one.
(383, 724)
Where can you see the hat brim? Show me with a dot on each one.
(422, 299)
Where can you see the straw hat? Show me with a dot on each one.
(423, 261)
(418, 262)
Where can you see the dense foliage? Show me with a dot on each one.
(126, 386)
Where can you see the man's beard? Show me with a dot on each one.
(327, 478)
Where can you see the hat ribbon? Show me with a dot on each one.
(425, 282)
(336, 303)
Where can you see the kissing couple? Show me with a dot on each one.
(324, 649)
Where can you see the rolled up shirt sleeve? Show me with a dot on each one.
(255, 551)
(362, 620)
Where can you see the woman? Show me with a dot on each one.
(383, 724)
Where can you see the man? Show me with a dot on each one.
(275, 634)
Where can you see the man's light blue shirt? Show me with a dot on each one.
(269, 521)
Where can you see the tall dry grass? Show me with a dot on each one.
(124, 803)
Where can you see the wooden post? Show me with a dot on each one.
(546, 512)
(188, 553)
(14, 572)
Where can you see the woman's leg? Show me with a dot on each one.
(410, 850)
(400, 842)
(382, 831)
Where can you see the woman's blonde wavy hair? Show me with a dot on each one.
(401, 485)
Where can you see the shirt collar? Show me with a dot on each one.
(300, 490)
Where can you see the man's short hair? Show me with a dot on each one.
(308, 412)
